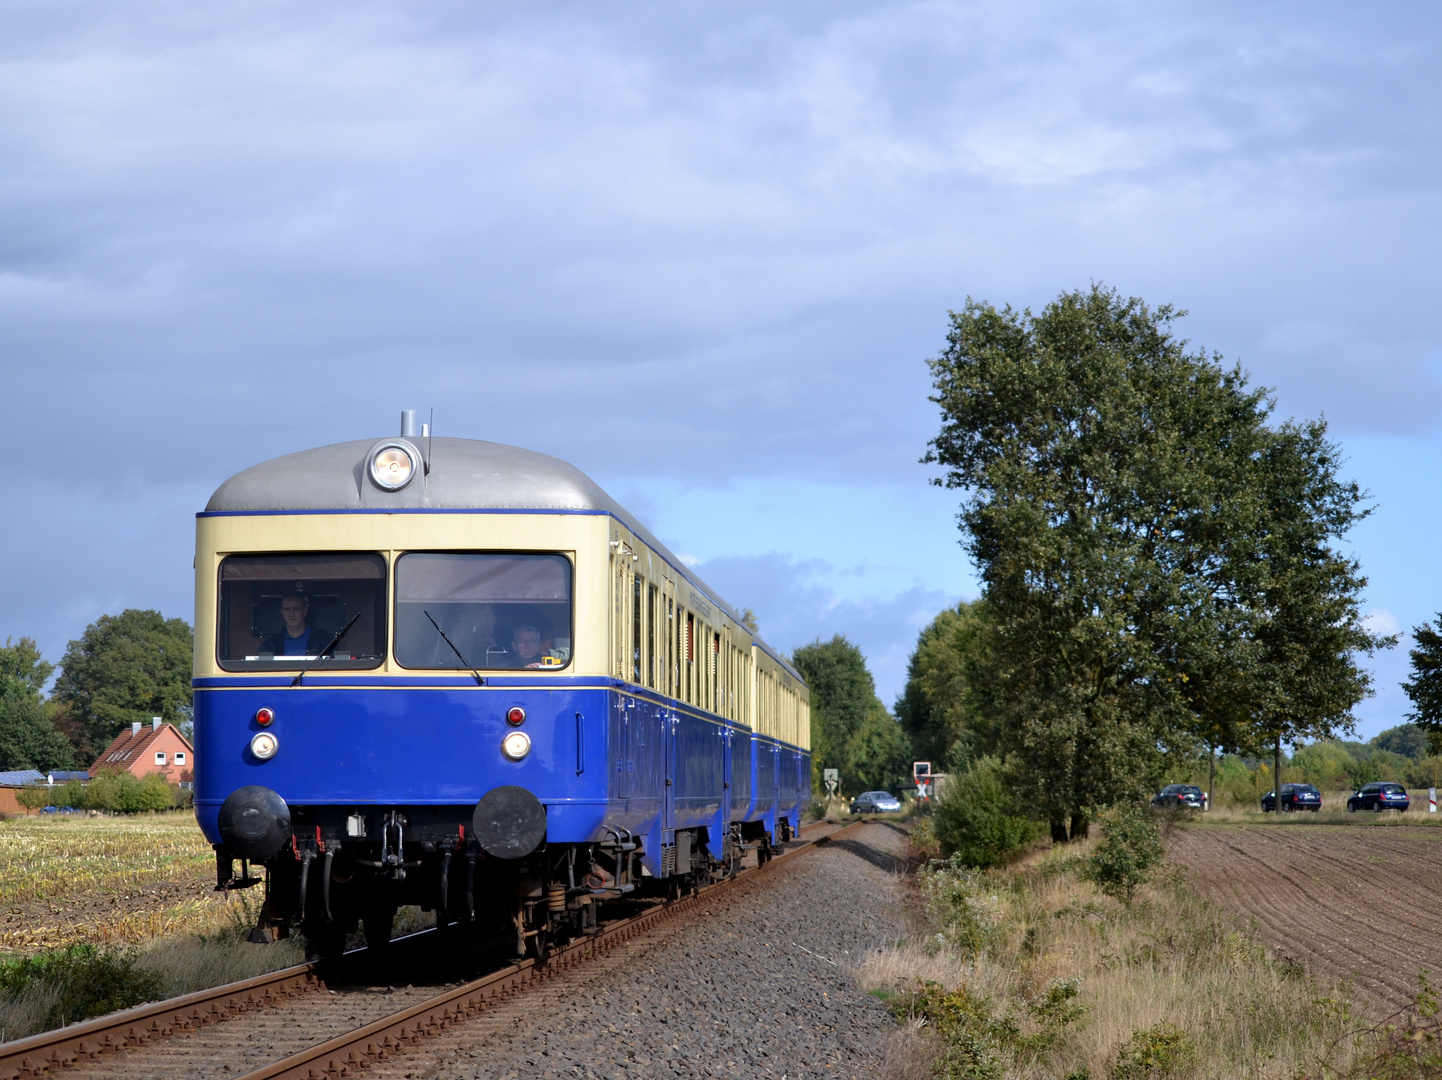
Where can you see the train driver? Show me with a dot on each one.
(526, 646)
(297, 637)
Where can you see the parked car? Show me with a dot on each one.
(1188, 795)
(1379, 797)
(1294, 797)
(875, 802)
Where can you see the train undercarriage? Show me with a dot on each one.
(339, 870)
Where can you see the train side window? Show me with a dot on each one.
(652, 609)
(673, 677)
(638, 614)
(280, 611)
(690, 653)
(499, 609)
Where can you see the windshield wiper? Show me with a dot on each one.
(321, 655)
(464, 662)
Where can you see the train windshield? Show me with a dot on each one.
(285, 611)
(497, 610)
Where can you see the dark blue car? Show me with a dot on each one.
(1294, 797)
(1379, 797)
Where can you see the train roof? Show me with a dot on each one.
(462, 474)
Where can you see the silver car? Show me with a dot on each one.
(875, 802)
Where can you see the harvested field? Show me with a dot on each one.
(67, 879)
(1357, 904)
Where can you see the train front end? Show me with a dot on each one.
(400, 691)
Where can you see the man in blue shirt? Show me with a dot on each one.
(298, 638)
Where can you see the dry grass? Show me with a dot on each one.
(1169, 959)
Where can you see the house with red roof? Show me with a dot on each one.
(159, 748)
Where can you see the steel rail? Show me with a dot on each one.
(36, 1055)
(345, 1054)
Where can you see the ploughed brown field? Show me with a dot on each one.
(1356, 904)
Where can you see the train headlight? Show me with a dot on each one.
(264, 745)
(516, 717)
(392, 466)
(515, 746)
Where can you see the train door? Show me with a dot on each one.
(668, 799)
(626, 761)
(727, 737)
(776, 775)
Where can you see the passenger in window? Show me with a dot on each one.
(526, 647)
(297, 637)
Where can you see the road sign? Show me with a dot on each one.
(833, 780)
(920, 769)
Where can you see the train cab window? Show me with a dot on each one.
(498, 610)
(285, 611)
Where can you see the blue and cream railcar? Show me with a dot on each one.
(457, 674)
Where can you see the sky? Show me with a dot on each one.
(702, 251)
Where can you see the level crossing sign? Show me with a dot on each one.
(833, 781)
(921, 774)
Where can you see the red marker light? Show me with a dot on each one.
(516, 717)
(263, 717)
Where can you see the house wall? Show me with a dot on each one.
(168, 742)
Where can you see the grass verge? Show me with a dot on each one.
(83, 980)
(1029, 971)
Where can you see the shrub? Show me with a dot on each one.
(977, 820)
(122, 793)
(958, 899)
(79, 982)
(973, 1037)
(1153, 1054)
(33, 796)
(1127, 854)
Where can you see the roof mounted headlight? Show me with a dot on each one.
(392, 465)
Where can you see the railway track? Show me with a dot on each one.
(43, 1054)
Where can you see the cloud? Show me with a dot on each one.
(1381, 621)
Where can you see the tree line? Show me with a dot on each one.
(123, 668)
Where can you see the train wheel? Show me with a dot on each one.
(378, 922)
(325, 940)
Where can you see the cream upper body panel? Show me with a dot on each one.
(469, 495)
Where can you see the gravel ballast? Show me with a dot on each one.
(760, 986)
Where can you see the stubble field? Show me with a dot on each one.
(1355, 903)
(106, 880)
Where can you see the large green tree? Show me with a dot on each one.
(948, 707)
(124, 668)
(28, 738)
(1425, 685)
(850, 727)
(1155, 556)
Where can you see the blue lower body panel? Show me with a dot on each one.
(602, 757)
